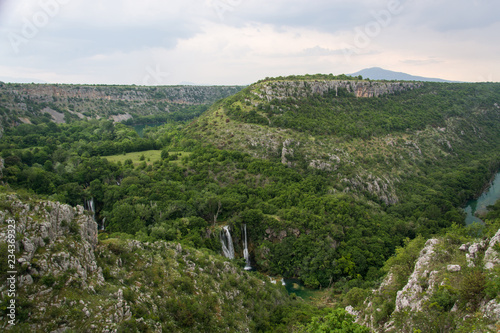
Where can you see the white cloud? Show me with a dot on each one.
(122, 41)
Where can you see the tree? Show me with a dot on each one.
(164, 154)
(337, 321)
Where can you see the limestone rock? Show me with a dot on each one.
(491, 257)
(410, 295)
(365, 89)
(464, 247)
(491, 310)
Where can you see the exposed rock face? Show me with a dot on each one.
(291, 89)
(57, 117)
(473, 250)
(184, 94)
(437, 273)
(68, 281)
(286, 151)
(491, 257)
(375, 185)
(47, 225)
(410, 296)
(24, 101)
(121, 117)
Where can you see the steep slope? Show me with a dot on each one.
(33, 103)
(445, 284)
(67, 280)
(371, 136)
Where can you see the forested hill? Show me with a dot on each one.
(36, 103)
(319, 178)
(371, 136)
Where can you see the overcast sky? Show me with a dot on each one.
(241, 41)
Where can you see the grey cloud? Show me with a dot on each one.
(421, 62)
(321, 15)
(453, 15)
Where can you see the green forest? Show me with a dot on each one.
(302, 222)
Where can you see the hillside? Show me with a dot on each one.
(369, 135)
(445, 284)
(35, 103)
(68, 280)
(318, 178)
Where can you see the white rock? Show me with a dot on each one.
(409, 296)
(492, 310)
(464, 247)
(453, 268)
(350, 310)
(491, 257)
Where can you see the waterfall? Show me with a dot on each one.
(227, 243)
(245, 249)
(89, 205)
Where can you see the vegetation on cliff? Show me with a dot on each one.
(330, 176)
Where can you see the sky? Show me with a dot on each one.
(226, 42)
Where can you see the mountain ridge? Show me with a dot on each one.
(377, 73)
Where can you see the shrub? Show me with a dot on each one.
(337, 321)
(472, 289)
(355, 297)
(444, 298)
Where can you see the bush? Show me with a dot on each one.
(337, 321)
(492, 289)
(355, 297)
(444, 298)
(472, 289)
(48, 280)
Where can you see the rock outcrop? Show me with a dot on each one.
(25, 102)
(47, 225)
(67, 280)
(293, 89)
(446, 287)
(182, 94)
(411, 295)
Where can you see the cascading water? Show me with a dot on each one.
(89, 205)
(227, 243)
(245, 249)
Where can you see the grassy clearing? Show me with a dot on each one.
(150, 156)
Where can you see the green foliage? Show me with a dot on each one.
(334, 113)
(355, 297)
(444, 298)
(402, 263)
(472, 289)
(337, 321)
(492, 288)
(302, 222)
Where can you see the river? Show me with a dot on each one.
(488, 198)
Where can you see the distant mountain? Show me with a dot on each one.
(377, 73)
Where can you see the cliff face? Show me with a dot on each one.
(22, 103)
(68, 280)
(453, 287)
(293, 89)
(181, 94)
